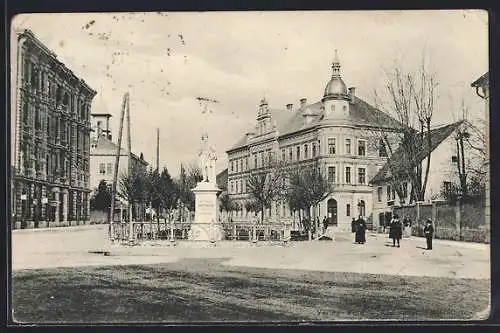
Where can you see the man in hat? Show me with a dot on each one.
(429, 232)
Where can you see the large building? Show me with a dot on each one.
(341, 132)
(51, 139)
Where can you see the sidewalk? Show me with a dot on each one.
(62, 229)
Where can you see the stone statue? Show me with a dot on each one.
(208, 158)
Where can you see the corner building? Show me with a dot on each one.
(51, 139)
(341, 132)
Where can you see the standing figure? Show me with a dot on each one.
(325, 223)
(208, 158)
(360, 230)
(353, 225)
(396, 230)
(429, 232)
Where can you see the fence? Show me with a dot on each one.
(460, 220)
(171, 230)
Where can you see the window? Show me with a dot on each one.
(379, 194)
(290, 154)
(283, 155)
(331, 146)
(232, 166)
(246, 163)
(236, 186)
(110, 169)
(319, 147)
(236, 165)
(331, 174)
(262, 158)
(242, 185)
(102, 168)
(447, 188)
(382, 151)
(348, 146)
(255, 160)
(306, 156)
(361, 175)
(391, 193)
(405, 190)
(348, 175)
(361, 147)
(348, 210)
(241, 165)
(313, 149)
(454, 158)
(232, 187)
(298, 153)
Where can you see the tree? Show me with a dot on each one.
(133, 188)
(226, 204)
(266, 184)
(101, 199)
(411, 100)
(308, 186)
(169, 191)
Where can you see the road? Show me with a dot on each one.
(71, 247)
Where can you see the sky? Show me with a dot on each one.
(166, 60)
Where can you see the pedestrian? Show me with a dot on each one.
(429, 232)
(395, 230)
(360, 230)
(325, 224)
(353, 225)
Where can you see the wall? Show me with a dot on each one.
(454, 221)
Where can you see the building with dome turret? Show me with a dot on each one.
(340, 132)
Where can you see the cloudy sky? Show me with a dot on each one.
(165, 60)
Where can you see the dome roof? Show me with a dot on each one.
(336, 86)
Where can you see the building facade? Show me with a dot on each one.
(442, 175)
(482, 86)
(341, 133)
(51, 139)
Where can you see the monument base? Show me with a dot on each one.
(206, 232)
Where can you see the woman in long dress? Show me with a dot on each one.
(360, 231)
(396, 230)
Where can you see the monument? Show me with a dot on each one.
(206, 226)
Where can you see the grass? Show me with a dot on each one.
(203, 290)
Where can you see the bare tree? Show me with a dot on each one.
(411, 101)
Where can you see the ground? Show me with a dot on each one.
(56, 278)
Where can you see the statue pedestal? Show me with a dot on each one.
(205, 226)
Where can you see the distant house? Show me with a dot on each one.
(221, 180)
(442, 173)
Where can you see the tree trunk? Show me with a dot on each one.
(427, 168)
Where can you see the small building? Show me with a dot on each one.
(442, 173)
(482, 86)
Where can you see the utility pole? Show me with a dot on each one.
(115, 173)
(129, 146)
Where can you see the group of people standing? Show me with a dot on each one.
(395, 231)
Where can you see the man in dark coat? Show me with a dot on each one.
(353, 225)
(429, 233)
(325, 224)
(395, 230)
(360, 230)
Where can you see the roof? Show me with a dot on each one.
(394, 165)
(483, 80)
(107, 145)
(290, 121)
(221, 179)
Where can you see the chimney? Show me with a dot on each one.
(289, 107)
(352, 93)
(98, 129)
(303, 102)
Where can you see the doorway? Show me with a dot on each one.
(332, 211)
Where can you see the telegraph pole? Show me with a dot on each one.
(115, 173)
